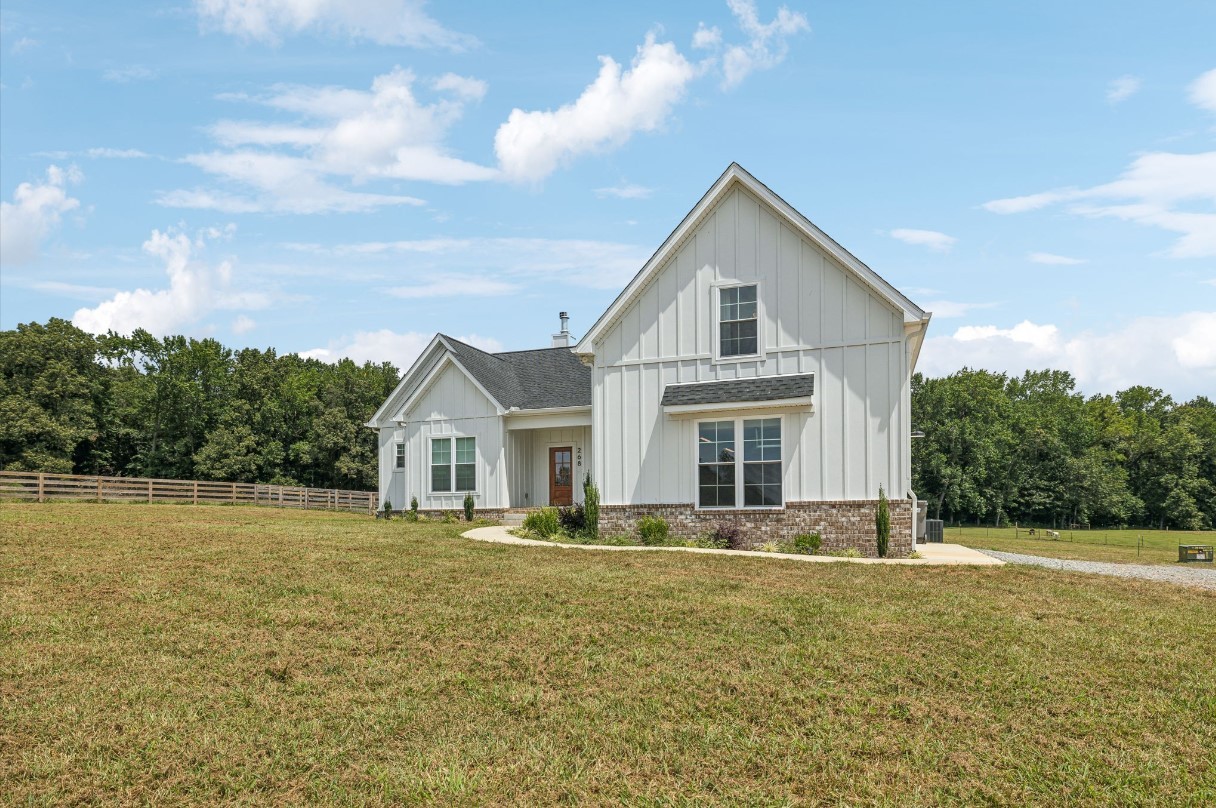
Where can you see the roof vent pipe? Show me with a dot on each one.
(562, 338)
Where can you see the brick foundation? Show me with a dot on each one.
(435, 515)
(841, 524)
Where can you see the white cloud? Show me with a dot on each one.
(766, 44)
(531, 145)
(455, 285)
(591, 264)
(1202, 92)
(1175, 353)
(195, 290)
(706, 38)
(125, 75)
(947, 309)
(625, 190)
(34, 213)
(388, 346)
(385, 22)
(23, 44)
(385, 133)
(1149, 192)
(1054, 260)
(939, 242)
(1210, 281)
(1121, 89)
(116, 154)
(243, 324)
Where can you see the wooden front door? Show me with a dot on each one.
(561, 475)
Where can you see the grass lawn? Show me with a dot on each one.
(203, 654)
(1157, 547)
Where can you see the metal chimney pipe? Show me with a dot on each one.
(565, 318)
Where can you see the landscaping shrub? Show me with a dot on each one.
(591, 507)
(449, 518)
(543, 523)
(468, 507)
(882, 523)
(414, 507)
(769, 547)
(652, 530)
(728, 536)
(848, 552)
(807, 543)
(388, 508)
(573, 519)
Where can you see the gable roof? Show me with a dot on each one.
(529, 380)
(761, 388)
(734, 175)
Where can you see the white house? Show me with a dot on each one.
(752, 371)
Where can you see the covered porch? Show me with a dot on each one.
(548, 453)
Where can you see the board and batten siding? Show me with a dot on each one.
(816, 317)
(451, 406)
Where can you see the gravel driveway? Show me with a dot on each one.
(1186, 576)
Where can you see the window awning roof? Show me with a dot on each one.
(760, 389)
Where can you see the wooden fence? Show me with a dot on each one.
(40, 486)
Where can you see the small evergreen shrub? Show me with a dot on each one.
(652, 530)
(468, 507)
(543, 523)
(388, 509)
(882, 523)
(572, 518)
(769, 547)
(449, 518)
(410, 516)
(591, 507)
(807, 543)
(414, 507)
(728, 536)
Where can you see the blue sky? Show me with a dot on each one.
(345, 179)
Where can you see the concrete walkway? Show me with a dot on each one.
(1185, 576)
(934, 554)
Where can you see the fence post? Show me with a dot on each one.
(149, 492)
(234, 493)
(41, 486)
(98, 489)
(195, 492)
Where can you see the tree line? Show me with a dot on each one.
(184, 408)
(997, 449)
(1033, 450)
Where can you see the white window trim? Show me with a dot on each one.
(399, 456)
(715, 299)
(696, 459)
(431, 492)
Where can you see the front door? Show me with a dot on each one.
(561, 475)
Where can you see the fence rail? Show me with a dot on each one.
(40, 486)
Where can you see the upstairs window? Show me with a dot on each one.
(453, 464)
(738, 321)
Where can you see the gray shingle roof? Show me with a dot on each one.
(538, 379)
(763, 388)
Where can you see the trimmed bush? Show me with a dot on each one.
(468, 507)
(572, 518)
(728, 536)
(882, 523)
(591, 507)
(543, 523)
(414, 507)
(807, 543)
(652, 530)
(388, 507)
(450, 518)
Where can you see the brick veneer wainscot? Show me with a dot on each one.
(841, 523)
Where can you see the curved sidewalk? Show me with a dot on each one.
(934, 554)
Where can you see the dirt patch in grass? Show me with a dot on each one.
(216, 654)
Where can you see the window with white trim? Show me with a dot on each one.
(738, 321)
(399, 459)
(726, 478)
(453, 467)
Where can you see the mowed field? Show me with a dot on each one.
(1131, 546)
(178, 654)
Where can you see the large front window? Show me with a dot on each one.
(725, 478)
(453, 464)
(738, 322)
